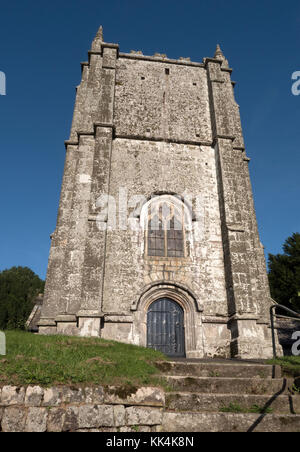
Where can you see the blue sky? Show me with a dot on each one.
(41, 46)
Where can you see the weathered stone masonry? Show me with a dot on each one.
(158, 127)
(67, 409)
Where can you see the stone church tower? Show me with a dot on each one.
(156, 242)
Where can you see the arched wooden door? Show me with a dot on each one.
(165, 327)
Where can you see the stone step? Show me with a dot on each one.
(188, 401)
(221, 385)
(215, 369)
(229, 422)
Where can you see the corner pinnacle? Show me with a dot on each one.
(99, 34)
(218, 52)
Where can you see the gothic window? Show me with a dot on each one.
(165, 231)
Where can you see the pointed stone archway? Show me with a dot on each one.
(192, 315)
(165, 327)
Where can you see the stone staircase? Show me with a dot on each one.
(228, 396)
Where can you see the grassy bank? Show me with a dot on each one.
(47, 360)
(290, 364)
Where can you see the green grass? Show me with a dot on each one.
(237, 408)
(259, 409)
(49, 360)
(290, 364)
(232, 408)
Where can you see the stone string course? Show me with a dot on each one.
(67, 409)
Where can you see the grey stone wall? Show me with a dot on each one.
(203, 269)
(147, 101)
(89, 409)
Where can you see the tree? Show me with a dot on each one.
(19, 286)
(284, 273)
